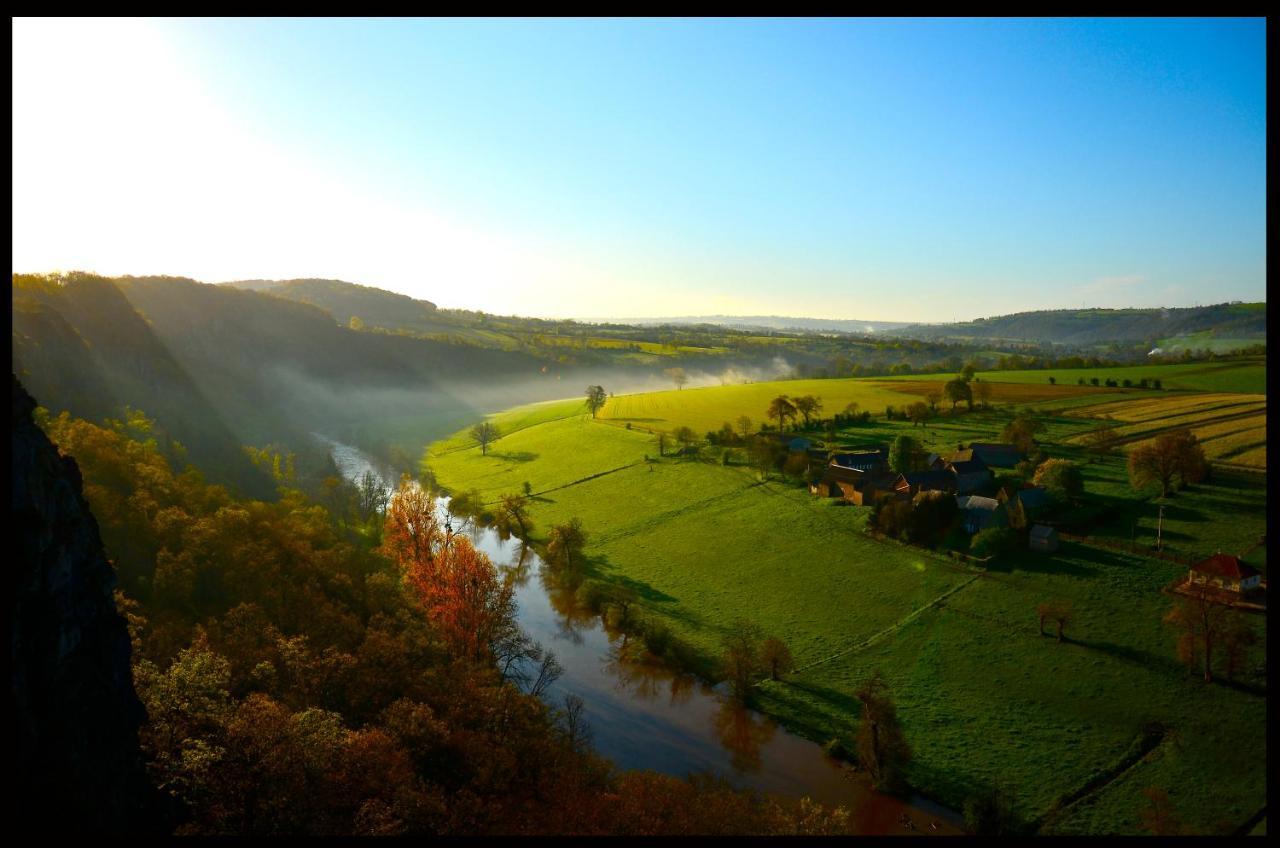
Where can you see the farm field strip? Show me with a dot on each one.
(1158, 407)
(1248, 375)
(1140, 430)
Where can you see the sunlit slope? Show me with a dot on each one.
(710, 407)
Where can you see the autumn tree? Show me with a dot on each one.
(1172, 456)
(741, 660)
(1021, 432)
(958, 390)
(484, 434)
(1199, 620)
(677, 376)
(1102, 440)
(565, 545)
(882, 748)
(933, 397)
(685, 436)
(982, 391)
(776, 657)
(466, 600)
(411, 531)
(1061, 478)
(512, 518)
(781, 408)
(918, 413)
(596, 399)
(808, 406)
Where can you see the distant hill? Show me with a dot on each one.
(373, 306)
(1244, 322)
(774, 322)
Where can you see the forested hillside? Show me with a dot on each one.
(305, 672)
(1239, 321)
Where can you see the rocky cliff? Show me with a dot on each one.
(75, 715)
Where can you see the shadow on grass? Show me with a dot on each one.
(515, 456)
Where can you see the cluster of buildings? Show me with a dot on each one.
(863, 478)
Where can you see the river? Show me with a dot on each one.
(643, 715)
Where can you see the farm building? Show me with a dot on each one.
(1225, 572)
(996, 454)
(828, 486)
(970, 475)
(1031, 499)
(914, 482)
(872, 459)
(867, 490)
(980, 512)
(1044, 538)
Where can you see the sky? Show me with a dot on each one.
(882, 170)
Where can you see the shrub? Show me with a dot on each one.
(993, 542)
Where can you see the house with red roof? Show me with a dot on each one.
(1224, 571)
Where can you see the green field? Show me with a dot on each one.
(981, 695)
(1238, 375)
(707, 409)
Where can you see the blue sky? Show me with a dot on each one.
(886, 170)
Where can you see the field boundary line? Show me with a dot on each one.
(907, 619)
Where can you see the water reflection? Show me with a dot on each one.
(743, 733)
(644, 715)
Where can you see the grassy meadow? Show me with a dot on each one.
(983, 698)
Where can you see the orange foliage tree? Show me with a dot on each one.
(471, 606)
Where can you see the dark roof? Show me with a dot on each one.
(933, 479)
(836, 473)
(996, 453)
(971, 467)
(1043, 531)
(863, 459)
(1225, 565)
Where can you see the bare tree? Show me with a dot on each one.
(1199, 620)
(484, 434)
(882, 748)
(745, 426)
(677, 376)
(776, 657)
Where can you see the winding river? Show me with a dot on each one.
(643, 715)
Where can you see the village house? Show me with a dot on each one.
(868, 459)
(935, 480)
(799, 445)
(1224, 571)
(995, 454)
(827, 485)
(970, 475)
(867, 490)
(980, 513)
(1032, 499)
(1043, 538)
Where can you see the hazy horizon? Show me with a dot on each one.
(902, 171)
